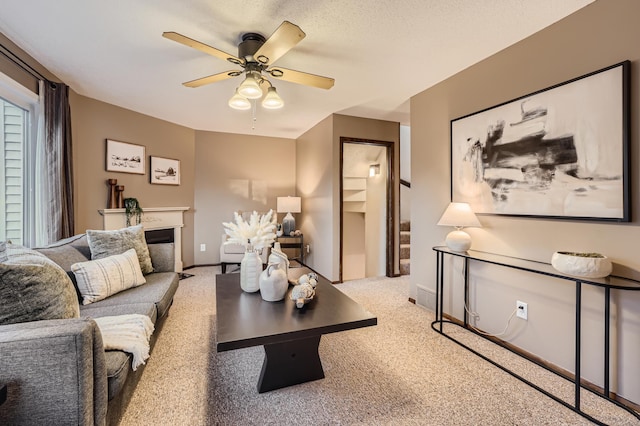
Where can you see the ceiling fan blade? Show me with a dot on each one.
(212, 78)
(280, 42)
(202, 47)
(300, 77)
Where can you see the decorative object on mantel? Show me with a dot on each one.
(586, 265)
(120, 196)
(112, 201)
(459, 215)
(258, 233)
(273, 283)
(132, 208)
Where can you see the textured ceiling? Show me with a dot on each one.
(380, 52)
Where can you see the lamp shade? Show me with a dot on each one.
(250, 88)
(272, 100)
(288, 205)
(238, 101)
(459, 215)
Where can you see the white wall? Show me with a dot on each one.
(592, 38)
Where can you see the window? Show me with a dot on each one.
(18, 108)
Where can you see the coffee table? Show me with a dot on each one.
(290, 336)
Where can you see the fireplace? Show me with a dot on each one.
(161, 224)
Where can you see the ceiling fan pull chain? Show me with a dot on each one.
(253, 114)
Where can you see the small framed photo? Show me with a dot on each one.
(165, 171)
(125, 157)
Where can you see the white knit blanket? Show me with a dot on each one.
(129, 333)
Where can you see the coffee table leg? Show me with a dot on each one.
(290, 363)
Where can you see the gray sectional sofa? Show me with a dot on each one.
(57, 371)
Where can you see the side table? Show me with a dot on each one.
(297, 243)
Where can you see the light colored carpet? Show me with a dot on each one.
(399, 372)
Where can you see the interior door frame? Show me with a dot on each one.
(390, 249)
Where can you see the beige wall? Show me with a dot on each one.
(602, 34)
(237, 172)
(364, 128)
(318, 182)
(92, 123)
(314, 183)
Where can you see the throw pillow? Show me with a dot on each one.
(99, 279)
(32, 288)
(108, 243)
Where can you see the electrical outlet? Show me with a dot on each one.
(522, 310)
(203, 247)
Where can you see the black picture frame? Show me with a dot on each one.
(561, 152)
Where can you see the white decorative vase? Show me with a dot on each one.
(278, 256)
(580, 265)
(273, 283)
(250, 269)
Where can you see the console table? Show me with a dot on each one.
(608, 283)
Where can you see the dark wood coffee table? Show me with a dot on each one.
(290, 336)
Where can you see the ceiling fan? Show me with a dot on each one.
(256, 55)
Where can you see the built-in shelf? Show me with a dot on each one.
(354, 194)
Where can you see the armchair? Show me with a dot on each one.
(232, 254)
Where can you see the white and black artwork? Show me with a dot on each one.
(124, 157)
(561, 152)
(165, 171)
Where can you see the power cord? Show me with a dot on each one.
(476, 317)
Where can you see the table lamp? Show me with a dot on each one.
(459, 215)
(288, 205)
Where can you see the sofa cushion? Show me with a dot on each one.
(108, 243)
(99, 279)
(33, 287)
(159, 290)
(97, 310)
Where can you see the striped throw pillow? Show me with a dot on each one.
(99, 279)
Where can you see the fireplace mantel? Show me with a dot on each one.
(152, 218)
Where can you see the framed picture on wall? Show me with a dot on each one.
(165, 171)
(561, 152)
(124, 157)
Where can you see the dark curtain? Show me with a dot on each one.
(58, 160)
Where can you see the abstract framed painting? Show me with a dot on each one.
(561, 152)
(165, 171)
(124, 157)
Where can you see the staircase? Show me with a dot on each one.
(405, 248)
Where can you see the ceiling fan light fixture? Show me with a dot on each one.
(250, 88)
(272, 100)
(239, 102)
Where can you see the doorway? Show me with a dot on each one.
(366, 209)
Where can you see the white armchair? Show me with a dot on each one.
(232, 254)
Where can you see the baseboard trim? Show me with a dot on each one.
(546, 364)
